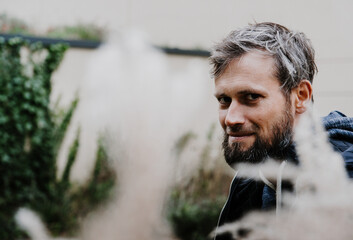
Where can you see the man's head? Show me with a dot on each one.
(263, 75)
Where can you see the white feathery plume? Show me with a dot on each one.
(269, 169)
(32, 224)
(322, 170)
(141, 108)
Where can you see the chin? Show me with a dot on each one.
(243, 147)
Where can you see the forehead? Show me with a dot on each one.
(254, 70)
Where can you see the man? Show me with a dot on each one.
(263, 81)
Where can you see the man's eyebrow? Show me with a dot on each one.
(246, 91)
(243, 91)
(251, 91)
(219, 94)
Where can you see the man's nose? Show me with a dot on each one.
(235, 115)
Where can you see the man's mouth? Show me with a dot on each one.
(239, 136)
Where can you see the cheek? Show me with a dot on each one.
(262, 120)
(221, 117)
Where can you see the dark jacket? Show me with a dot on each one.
(247, 194)
(340, 131)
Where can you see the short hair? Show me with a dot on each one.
(292, 51)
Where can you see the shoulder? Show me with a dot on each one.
(348, 159)
(339, 128)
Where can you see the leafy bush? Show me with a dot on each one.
(31, 134)
(13, 25)
(195, 205)
(78, 32)
(195, 220)
(81, 31)
(27, 163)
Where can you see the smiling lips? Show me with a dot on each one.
(239, 136)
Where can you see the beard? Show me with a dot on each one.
(275, 146)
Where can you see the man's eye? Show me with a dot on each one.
(252, 96)
(224, 100)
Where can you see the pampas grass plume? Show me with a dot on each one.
(32, 224)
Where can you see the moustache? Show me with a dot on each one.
(240, 130)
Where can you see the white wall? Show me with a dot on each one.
(199, 23)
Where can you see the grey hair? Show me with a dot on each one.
(293, 52)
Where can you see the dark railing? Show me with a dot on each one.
(95, 44)
(48, 41)
(185, 52)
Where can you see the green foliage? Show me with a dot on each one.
(194, 208)
(30, 136)
(12, 25)
(81, 31)
(98, 190)
(27, 163)
(71, 204)
(195, 220)
(78, 32)
(182, 142)
(195, 205)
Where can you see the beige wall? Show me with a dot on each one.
(199, 23)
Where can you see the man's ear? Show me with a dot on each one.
(302, 96)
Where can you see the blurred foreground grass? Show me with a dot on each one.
(31, 136)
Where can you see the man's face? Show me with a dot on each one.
(256, 116)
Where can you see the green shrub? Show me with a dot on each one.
(27, 163)
(13, 25)
(81, 31)
(78, 32)
(195, 205)
(30, 136)
(195, 220)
